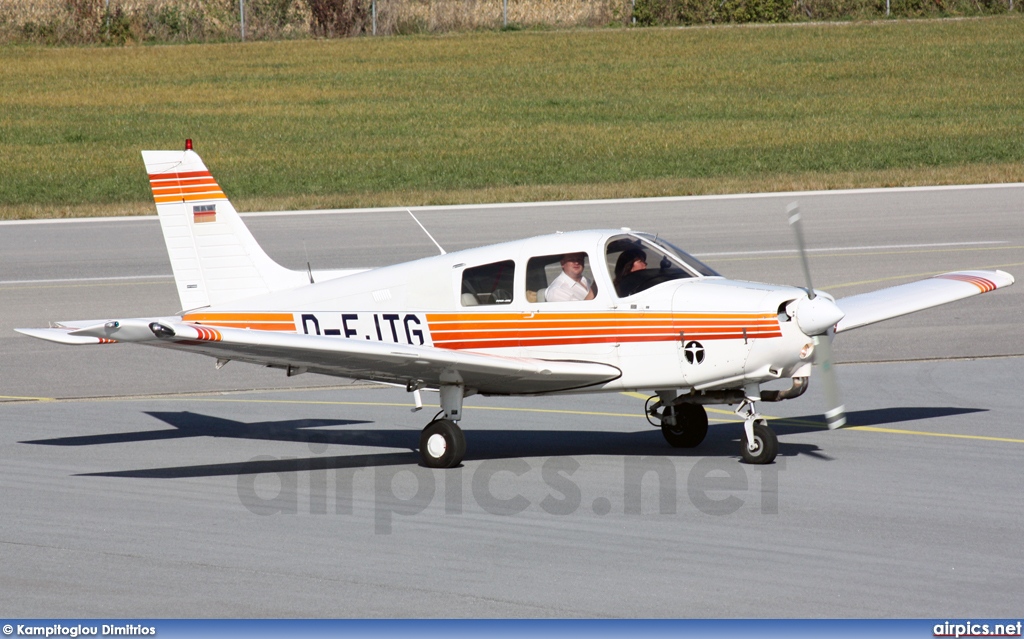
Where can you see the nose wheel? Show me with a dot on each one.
(760, 444)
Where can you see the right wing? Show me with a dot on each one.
(419, 366)
(868, 308)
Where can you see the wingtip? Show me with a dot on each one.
(63, 336)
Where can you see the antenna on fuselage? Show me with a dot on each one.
(309, 265)
(427, 232)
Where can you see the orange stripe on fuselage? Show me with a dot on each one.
(255, 321)
(503, 330)
(508, 330)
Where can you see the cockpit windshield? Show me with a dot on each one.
(696, 265)
(638, 261)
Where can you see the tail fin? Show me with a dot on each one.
(214, 257)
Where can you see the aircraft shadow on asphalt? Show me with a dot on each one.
(188, 424)
(872, 417)
(722, 441)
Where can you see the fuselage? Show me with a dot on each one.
(670, 323)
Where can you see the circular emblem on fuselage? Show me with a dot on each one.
(694, 352)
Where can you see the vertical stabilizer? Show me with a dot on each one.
(214, 257)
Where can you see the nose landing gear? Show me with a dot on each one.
(760, 444)
(685, 424)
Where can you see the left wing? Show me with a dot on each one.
(868, 308)
(375, 361)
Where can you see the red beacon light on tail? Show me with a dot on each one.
(188, 144)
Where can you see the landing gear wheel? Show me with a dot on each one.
(442, 444)
(766, 445)
(690, 428)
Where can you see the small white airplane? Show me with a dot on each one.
(581, 312)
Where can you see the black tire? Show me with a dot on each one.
(767, 445)
(690, 428)
(442, 444)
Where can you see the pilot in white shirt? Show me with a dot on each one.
(570, 285)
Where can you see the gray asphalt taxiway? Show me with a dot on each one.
(139, 483)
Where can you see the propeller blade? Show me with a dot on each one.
(835, 414)
(793, 211)
(816, 317)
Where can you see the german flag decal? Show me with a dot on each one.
(204, 213)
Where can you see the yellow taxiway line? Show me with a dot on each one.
(16, 398)
(732, 417)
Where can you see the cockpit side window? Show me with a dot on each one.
(636, 265)
(488, 284)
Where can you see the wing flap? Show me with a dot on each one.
(876, 306)
(392, 363)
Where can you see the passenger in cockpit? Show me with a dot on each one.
(571, 284)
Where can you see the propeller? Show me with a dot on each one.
(817, 316)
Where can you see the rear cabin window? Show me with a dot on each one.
(488, 284)
(542, 271)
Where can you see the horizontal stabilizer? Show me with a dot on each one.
(84, 332)
(62, 336)
(868, 308)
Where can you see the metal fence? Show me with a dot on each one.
(119, 21)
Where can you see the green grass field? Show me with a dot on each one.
(518, 115)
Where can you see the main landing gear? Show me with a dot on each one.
(442, 443)
(683, 425)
